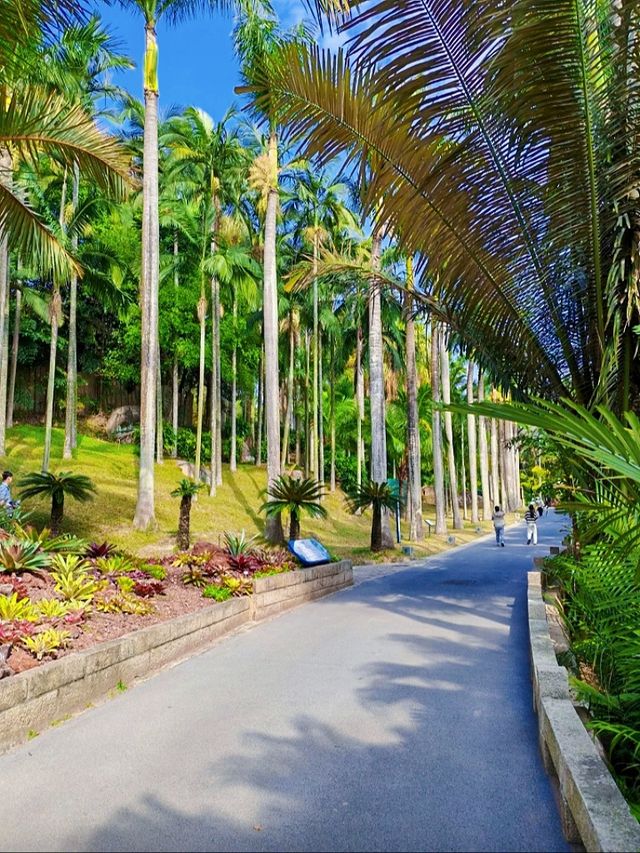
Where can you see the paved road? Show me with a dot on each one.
(393, 716)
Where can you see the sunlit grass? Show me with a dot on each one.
(113, 468)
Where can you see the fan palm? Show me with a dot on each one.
(295, 496)
(502, 145)
(186, 491)
(380, 497)
(57, 486)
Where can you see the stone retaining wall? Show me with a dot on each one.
(280, 592)
(592, 809)
(34, 699)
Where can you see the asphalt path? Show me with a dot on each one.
(392, 716)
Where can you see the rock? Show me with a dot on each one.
(189, 470)
(122, 416)
(6, 589)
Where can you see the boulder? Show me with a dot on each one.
(123, 415)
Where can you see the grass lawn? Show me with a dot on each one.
(113, 469)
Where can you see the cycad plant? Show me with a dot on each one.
(186, 491)
(378, 496)
(295, 496)
(56, 486)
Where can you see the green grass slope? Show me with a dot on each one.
(113, 469)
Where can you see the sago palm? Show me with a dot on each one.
(57, 486)
(295, 496)
(186, 491)
(380, 497)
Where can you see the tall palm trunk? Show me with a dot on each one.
(314, 448)
(175, 379)
(15, 346)
(512, 464)
(71, 411)
(6, 178)
(463, 472)
(495, 471)
(202, 319)
(289, 412)
(448, 428)
(473, 451)
(359, 383)
(307, 430)
(217, 401)
(436, 430)
(159, 410)
(145, 507)
(233, 453)
(484, 456)
(332, 416)
(502, 465)
(376, 386)
(273, 525)
(413, 426)
(55, 311)
(260, 408)
(320, 476)
(55, 319)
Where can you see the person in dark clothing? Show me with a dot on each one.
(531, 520)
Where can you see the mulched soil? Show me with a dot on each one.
(177, 600)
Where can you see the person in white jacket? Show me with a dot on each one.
(498, 525)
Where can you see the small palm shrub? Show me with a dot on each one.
(57, 486)
(186, 491)
(378, 496)
(295, 496)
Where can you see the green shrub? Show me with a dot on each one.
(218, 593)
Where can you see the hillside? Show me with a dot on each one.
(113, 469)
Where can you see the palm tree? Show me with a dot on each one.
(473, 450)
(152, 11)
(79, 65)
(295, 496)
(34, 120)
(186, 491)
(376, 384)
(319, 204)
(413, 426)
(448, 429)
(436, 429)
(257, 38)
(56, 486)
(487, 504)
(547, 279)
(380, 497)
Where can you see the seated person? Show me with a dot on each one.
(6, 501)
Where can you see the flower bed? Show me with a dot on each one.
(60, 594)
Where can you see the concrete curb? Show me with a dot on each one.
(592, 809)
(38, 697)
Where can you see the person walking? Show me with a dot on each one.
(498, 525)
(531, 519)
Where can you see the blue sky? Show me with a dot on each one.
(197, 66)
